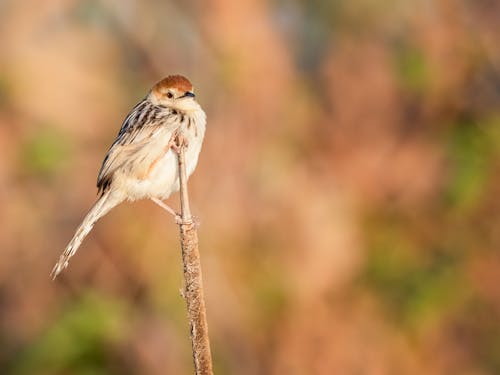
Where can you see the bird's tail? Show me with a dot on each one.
(100, 208)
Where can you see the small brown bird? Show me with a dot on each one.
(142, 162)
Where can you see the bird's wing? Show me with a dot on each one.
(145, 122)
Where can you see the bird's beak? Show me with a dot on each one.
(188, 94)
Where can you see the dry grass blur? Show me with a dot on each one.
(347, 189)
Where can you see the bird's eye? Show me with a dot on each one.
(170, 95)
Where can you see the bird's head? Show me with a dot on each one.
(176, 92)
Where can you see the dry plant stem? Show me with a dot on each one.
(193, 292)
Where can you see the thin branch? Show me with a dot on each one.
(193, 292)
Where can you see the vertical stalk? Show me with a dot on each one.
(193, 292)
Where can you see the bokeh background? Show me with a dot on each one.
(348, 189)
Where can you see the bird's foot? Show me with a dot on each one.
(194, 221)
(177, 141)
(167, 208)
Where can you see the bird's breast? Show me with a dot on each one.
(160, 178)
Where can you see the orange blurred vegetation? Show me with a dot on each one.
(347, 189)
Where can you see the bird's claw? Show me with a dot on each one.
(178, 141)
(175, 147)
(191, 221)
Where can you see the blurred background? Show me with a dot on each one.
(347, 189)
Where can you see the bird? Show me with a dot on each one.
(142, 161)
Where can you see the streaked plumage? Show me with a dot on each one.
(140, 163)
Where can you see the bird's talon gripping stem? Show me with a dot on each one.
(177, 142)
(167, 208)
(193, 221)
(174, 146)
